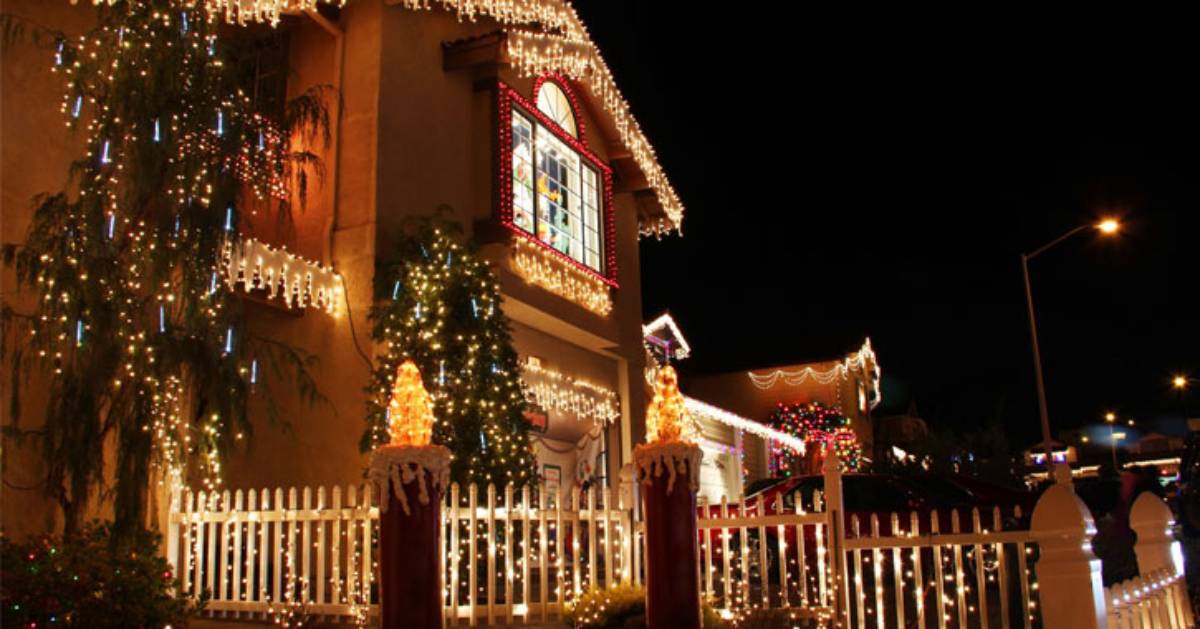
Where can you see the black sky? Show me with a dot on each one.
(857, 174)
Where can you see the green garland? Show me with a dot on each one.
(132, 310)
(439, 305)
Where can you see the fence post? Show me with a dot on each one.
(410, 481)
(1156, 549)
(173, 531)
(1072, 592)
(834, 511)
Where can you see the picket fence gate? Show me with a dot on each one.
(518, 556)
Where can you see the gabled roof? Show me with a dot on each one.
(665, 335)
(542, 36)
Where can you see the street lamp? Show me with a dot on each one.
(1180, 383)
(1111, 419)
(1107, 226)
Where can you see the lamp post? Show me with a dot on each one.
(1106, 226)
(1111, 419)
(1180, 383)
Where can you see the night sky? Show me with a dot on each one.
(848, 177)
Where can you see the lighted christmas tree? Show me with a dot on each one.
(439, 307)
(133, 315)
(819, 426)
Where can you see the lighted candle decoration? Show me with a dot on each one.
(410, 411)
(409, 456)
(667, 420)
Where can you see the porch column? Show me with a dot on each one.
(410, 481)
(670, 476)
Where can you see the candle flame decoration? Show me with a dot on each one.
(410, 411)
(667, 419)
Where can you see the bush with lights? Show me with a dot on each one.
(438, 305)
(89, 580)
(133, 314)
(819, 426)
(621, 606)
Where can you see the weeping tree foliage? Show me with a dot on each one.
(438, 304)
(142, 343)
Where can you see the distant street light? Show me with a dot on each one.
(1179, 381)
(1106, 226)
(1111, 419)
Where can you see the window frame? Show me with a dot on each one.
(508, 100)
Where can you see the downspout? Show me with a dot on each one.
(335, 153)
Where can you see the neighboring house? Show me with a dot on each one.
(902, 431)
(851, 385)
(450, 107)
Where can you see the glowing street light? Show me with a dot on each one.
(1179, 382)
(1106, 226)
(1111, 418)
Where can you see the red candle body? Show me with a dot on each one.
(410, 560)
(672, 577)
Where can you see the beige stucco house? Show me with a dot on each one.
(508, 118)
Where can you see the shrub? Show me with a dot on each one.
(619, 607)
(795, 618)
(88, 580)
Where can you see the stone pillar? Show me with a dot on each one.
(670, 476)
(1069, 583)
(410, 481)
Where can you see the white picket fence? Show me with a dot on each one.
(518, 556)
(266, 554)
(509, 556)
(974, 576)
(1159, 599)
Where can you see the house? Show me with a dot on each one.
(849, 385)
(509, 117)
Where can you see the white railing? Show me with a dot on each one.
(1159, 599)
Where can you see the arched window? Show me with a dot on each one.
(559, 188)
(552, 101)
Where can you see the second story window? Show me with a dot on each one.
(560, 191)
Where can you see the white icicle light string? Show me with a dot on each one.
(300, 283)
(539, 267)
(702, 409)
(555, 391)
